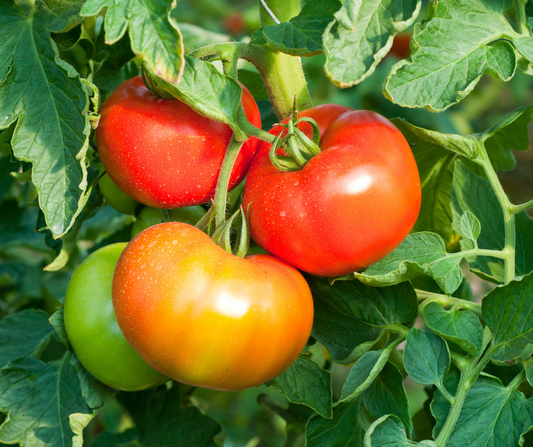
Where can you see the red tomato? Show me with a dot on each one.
(161, 152)
(205, 317)
(400, 46)
(348, 207)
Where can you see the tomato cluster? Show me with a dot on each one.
(191, 310)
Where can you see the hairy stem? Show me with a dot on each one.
(467, 380)
(426, 298)
(515, 209)
(508, 217)
(221, 194)
(520, 7)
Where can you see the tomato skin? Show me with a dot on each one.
(348, 207)
(205, 317)
(400, 46)
(93, 330)
(114, 196)
(161, 152)
(153, 216)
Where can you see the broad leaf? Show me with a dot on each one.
(419, 253)
(459, 326)
(109, 439)
(302, 35)
(161, 419)
(364, 372)
(46, 403)
(17, 227)
(45, 96)
(426, 357)
(474, 194)
(350, 317)
(308, 384)
(508, 312)
(154, 36)
(435, 167)
(343, 430)
(387, 395)
(208, 91)
(362, 34)
(23, 334)
(528, 366)
(470, 226)
(508, 133)
(451, 51)
(388, 430)
(491, 414)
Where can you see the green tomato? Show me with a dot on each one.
(153, 216)
(117, 198)
(93, 329)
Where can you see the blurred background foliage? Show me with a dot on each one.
(25, 249)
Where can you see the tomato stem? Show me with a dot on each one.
(221, 194)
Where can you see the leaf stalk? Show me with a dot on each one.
(509, 220)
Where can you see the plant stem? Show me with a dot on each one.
(520, 7)
(426, 298)
(284, 10)
(515, 383)
(282, 74)
(508, 217)
(221, 194)
(502, 254)
(466, 382)
(515, 209)
(283, 77)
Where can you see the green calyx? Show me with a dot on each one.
(296, 145)
(223, 235)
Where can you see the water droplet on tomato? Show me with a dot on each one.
(282, 214)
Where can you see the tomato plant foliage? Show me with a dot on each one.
(450, 307)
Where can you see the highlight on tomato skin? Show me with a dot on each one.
(162, 153)
(348, 207)
(208, 318)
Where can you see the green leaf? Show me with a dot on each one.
(361, 35)
(308, 384)
(491, 414)
(426, 357)
(209, 92)
(45, 403)
(161, 420)
(465, 146)
(435, 167)
(388, 430)
(57, 320)
(474, 194)
(23, 334)
(47, 98)
(511, 132)
(154, 36)
(301, 35)
(109, 439)
(419, 253)
(113, 70)
(508, 312)
(350, 317)
(470, 226)
(17, 227)
(195, 37)
(387, 395)
(458, 326)
(363, 373)
(343, 430)
(529, 370)
(451, 51)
